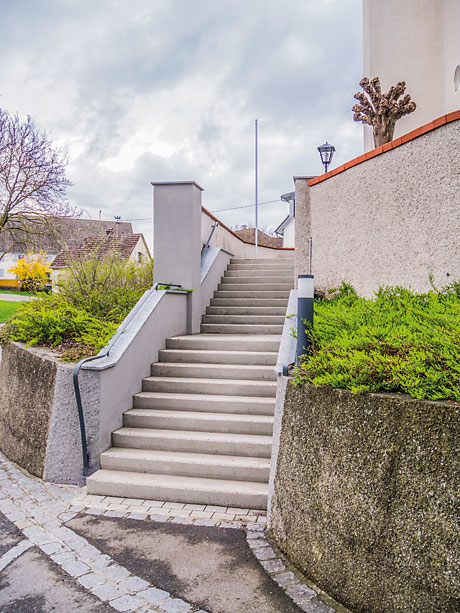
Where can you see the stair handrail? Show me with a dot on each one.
(214, 226)
(121, 329)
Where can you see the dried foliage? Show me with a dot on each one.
(32, 180)
(382, 111)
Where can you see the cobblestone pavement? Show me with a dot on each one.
(40, 511)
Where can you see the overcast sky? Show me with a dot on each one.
(158, 90)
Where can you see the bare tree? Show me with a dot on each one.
(382, 111)
(32, 181)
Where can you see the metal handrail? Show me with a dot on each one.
(210, 236)
(111, 343)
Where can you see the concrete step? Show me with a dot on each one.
(259, 272)
(191, 441)
(213, 371)
(261, 265)
(244, 319)
(189, 356)
(250, 302)
(256, 281)
(246, 310)
(208, 466)
(220, 342)
(249, 289)
(241, 329)
(263, 261)
(195, 385)
(192, 490)
(216, 403)
(199, 421)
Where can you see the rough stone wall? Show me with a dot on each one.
(365, 497)
(26, 401)
(391, 220)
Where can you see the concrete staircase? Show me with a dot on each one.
(200, 431)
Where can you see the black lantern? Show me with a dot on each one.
(326, 152)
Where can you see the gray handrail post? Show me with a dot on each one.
(305, 307)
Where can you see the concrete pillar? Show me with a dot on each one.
(177, 240)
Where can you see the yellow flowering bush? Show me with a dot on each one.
(32, 271)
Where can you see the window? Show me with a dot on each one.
(140, 256)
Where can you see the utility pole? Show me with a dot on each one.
(256, 190)
(117, 221)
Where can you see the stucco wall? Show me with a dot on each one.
(365, 498)
(391, 220)
(416, 41)
(224, 238)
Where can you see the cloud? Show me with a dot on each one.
(169, 90)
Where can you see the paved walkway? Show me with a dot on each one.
(16, 297)
(61, 550)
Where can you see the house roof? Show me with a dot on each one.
(100, 246)
(432, 125)
(264, 240)
(58, 233)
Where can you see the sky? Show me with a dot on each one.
(168, 90)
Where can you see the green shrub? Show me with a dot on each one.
(106, 287)
(94, 297)
(397, 342)
(52, 322)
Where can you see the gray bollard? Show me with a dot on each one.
(306, 294)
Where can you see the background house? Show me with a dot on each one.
(55, 236)
(129, 246)
(263, 239)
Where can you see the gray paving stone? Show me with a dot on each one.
(273, 566)
(204, 522)
(257, 527)
(94, 511)
(153, 595)
(287, 578)
(160, 518)
(174, 605)
(75, 569)
(256, 543)
(136, 515)
(116, 573)
(266, 553)
(53, 547)
(182, 520)
(300, 593)
(67, 516)
(107, 592)
(100, 562)
(63, 558)
(133, 584)
(91, 580)
(126, 603)
(316, 606)
(115, 513)
(87, 551)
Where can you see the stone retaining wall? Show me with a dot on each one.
(365, 495)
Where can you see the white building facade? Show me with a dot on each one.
(416, 41)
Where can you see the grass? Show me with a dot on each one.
(18, 293)
(8, 309)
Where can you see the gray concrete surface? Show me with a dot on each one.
(16, 297)
(213, 568)
(60, 556)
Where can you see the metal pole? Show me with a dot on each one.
(305, 304)
(256, 194)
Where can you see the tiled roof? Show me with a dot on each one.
(99, 246)
(264, 240)
(432, 125)
(60, 233)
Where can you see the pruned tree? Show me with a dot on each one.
(382, 111)
(32, 181)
